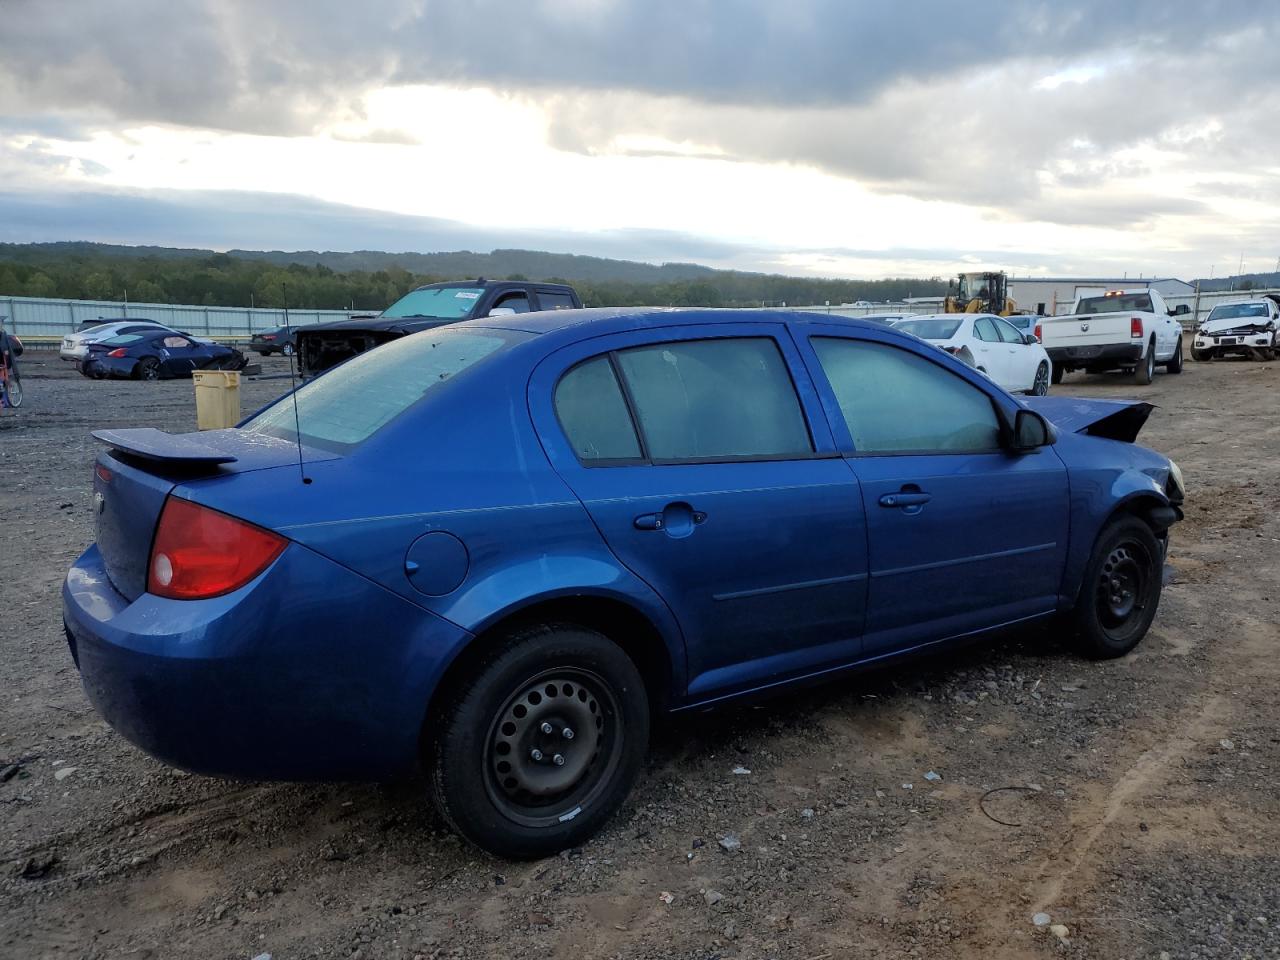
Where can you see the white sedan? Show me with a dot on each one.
(75, 346)
(994, 346)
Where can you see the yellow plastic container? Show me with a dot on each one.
(217, 398)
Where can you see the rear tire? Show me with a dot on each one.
(13, 388)
(1145, 371)
(1121, 590)
(1175, 362)
(148, 368)
(1057, 375)
(492, 764)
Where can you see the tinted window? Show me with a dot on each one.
(594, 414)
(519, 302)
(931, 328)
(1116, 303)
(554, 301)
(896, 402)
(715, 399)
(985, 330)
(1007, 333)
(123, 340)
(353, 401)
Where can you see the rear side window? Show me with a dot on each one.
(548, 300)
(715, 400)
(594, 414)
(894, 401)
(350, 403)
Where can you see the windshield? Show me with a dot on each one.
(1230, 311)
(353, 401)
(1117, 303)
(930, 328)
(448, 303)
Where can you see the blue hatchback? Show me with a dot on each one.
(492, 551)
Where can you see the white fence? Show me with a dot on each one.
(35, 317)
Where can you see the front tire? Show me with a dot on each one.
(504, 771)
(13, 388)
(1121, 590)
(1201, 356)
(1175, 362)
(1040, 386)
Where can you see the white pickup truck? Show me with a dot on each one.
(1117, 330)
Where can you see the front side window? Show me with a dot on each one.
(985, 330)
(894, 401)
(594, 415)
(715, 400)
(1007, 332)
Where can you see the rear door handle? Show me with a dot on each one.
(905, 499)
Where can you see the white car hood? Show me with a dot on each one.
(1230, 323)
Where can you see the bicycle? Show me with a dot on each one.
(10, 380)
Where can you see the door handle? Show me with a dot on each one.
(678, 519)
(905, 499)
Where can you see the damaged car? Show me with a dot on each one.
(326, 345)
(1243, 327)
(156, 355)
(492, 553)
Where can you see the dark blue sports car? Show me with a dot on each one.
(510, 542)
(158, 354)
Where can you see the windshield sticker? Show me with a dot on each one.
(467, 295)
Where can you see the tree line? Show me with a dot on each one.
(222, 280)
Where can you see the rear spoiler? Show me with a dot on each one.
(1112, 419)
(152, 444)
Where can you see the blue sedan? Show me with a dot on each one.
(491, 552)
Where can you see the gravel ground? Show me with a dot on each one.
(1135, 802)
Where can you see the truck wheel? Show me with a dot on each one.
(540, 743)
(1056, 376)
(1121, 590)
(1146, 368)
(1175, 362)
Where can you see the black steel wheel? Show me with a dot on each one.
(1040, 386)
(1121, 590)
(148, 368)
(539, 742)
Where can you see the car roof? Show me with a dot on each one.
(595, 321)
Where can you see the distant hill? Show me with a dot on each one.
(371, 279)
(1246, 281)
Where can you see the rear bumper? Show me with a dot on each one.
(108, 367)
(308, 673)
(1115, 354)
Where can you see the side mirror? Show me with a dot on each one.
(501, 312)
(1030, 431)
(1029, 338)
(1181, 310)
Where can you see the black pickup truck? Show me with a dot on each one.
(328, 344)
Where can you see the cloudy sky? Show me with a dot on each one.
(831, 137)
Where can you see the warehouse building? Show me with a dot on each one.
(1052, 296)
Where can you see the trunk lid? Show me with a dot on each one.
(133, 478)
(1085, 329)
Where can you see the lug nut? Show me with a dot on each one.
(546, 727)
(558, 760)
(567, 733)
(535, 753)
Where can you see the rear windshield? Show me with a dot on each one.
(448, 303)
(931, 328)
(350, 403)
(123, 340)
(1230, 311)
(1141, 302)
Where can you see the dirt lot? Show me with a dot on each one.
(1146, 814)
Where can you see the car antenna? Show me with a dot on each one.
(293, 380)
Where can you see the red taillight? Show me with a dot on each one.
(103, 473)
(118, 352)
(1135, 327)
(1039, 334)
(268, 336)
(200, 553)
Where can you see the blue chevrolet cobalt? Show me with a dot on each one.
(491, 552)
